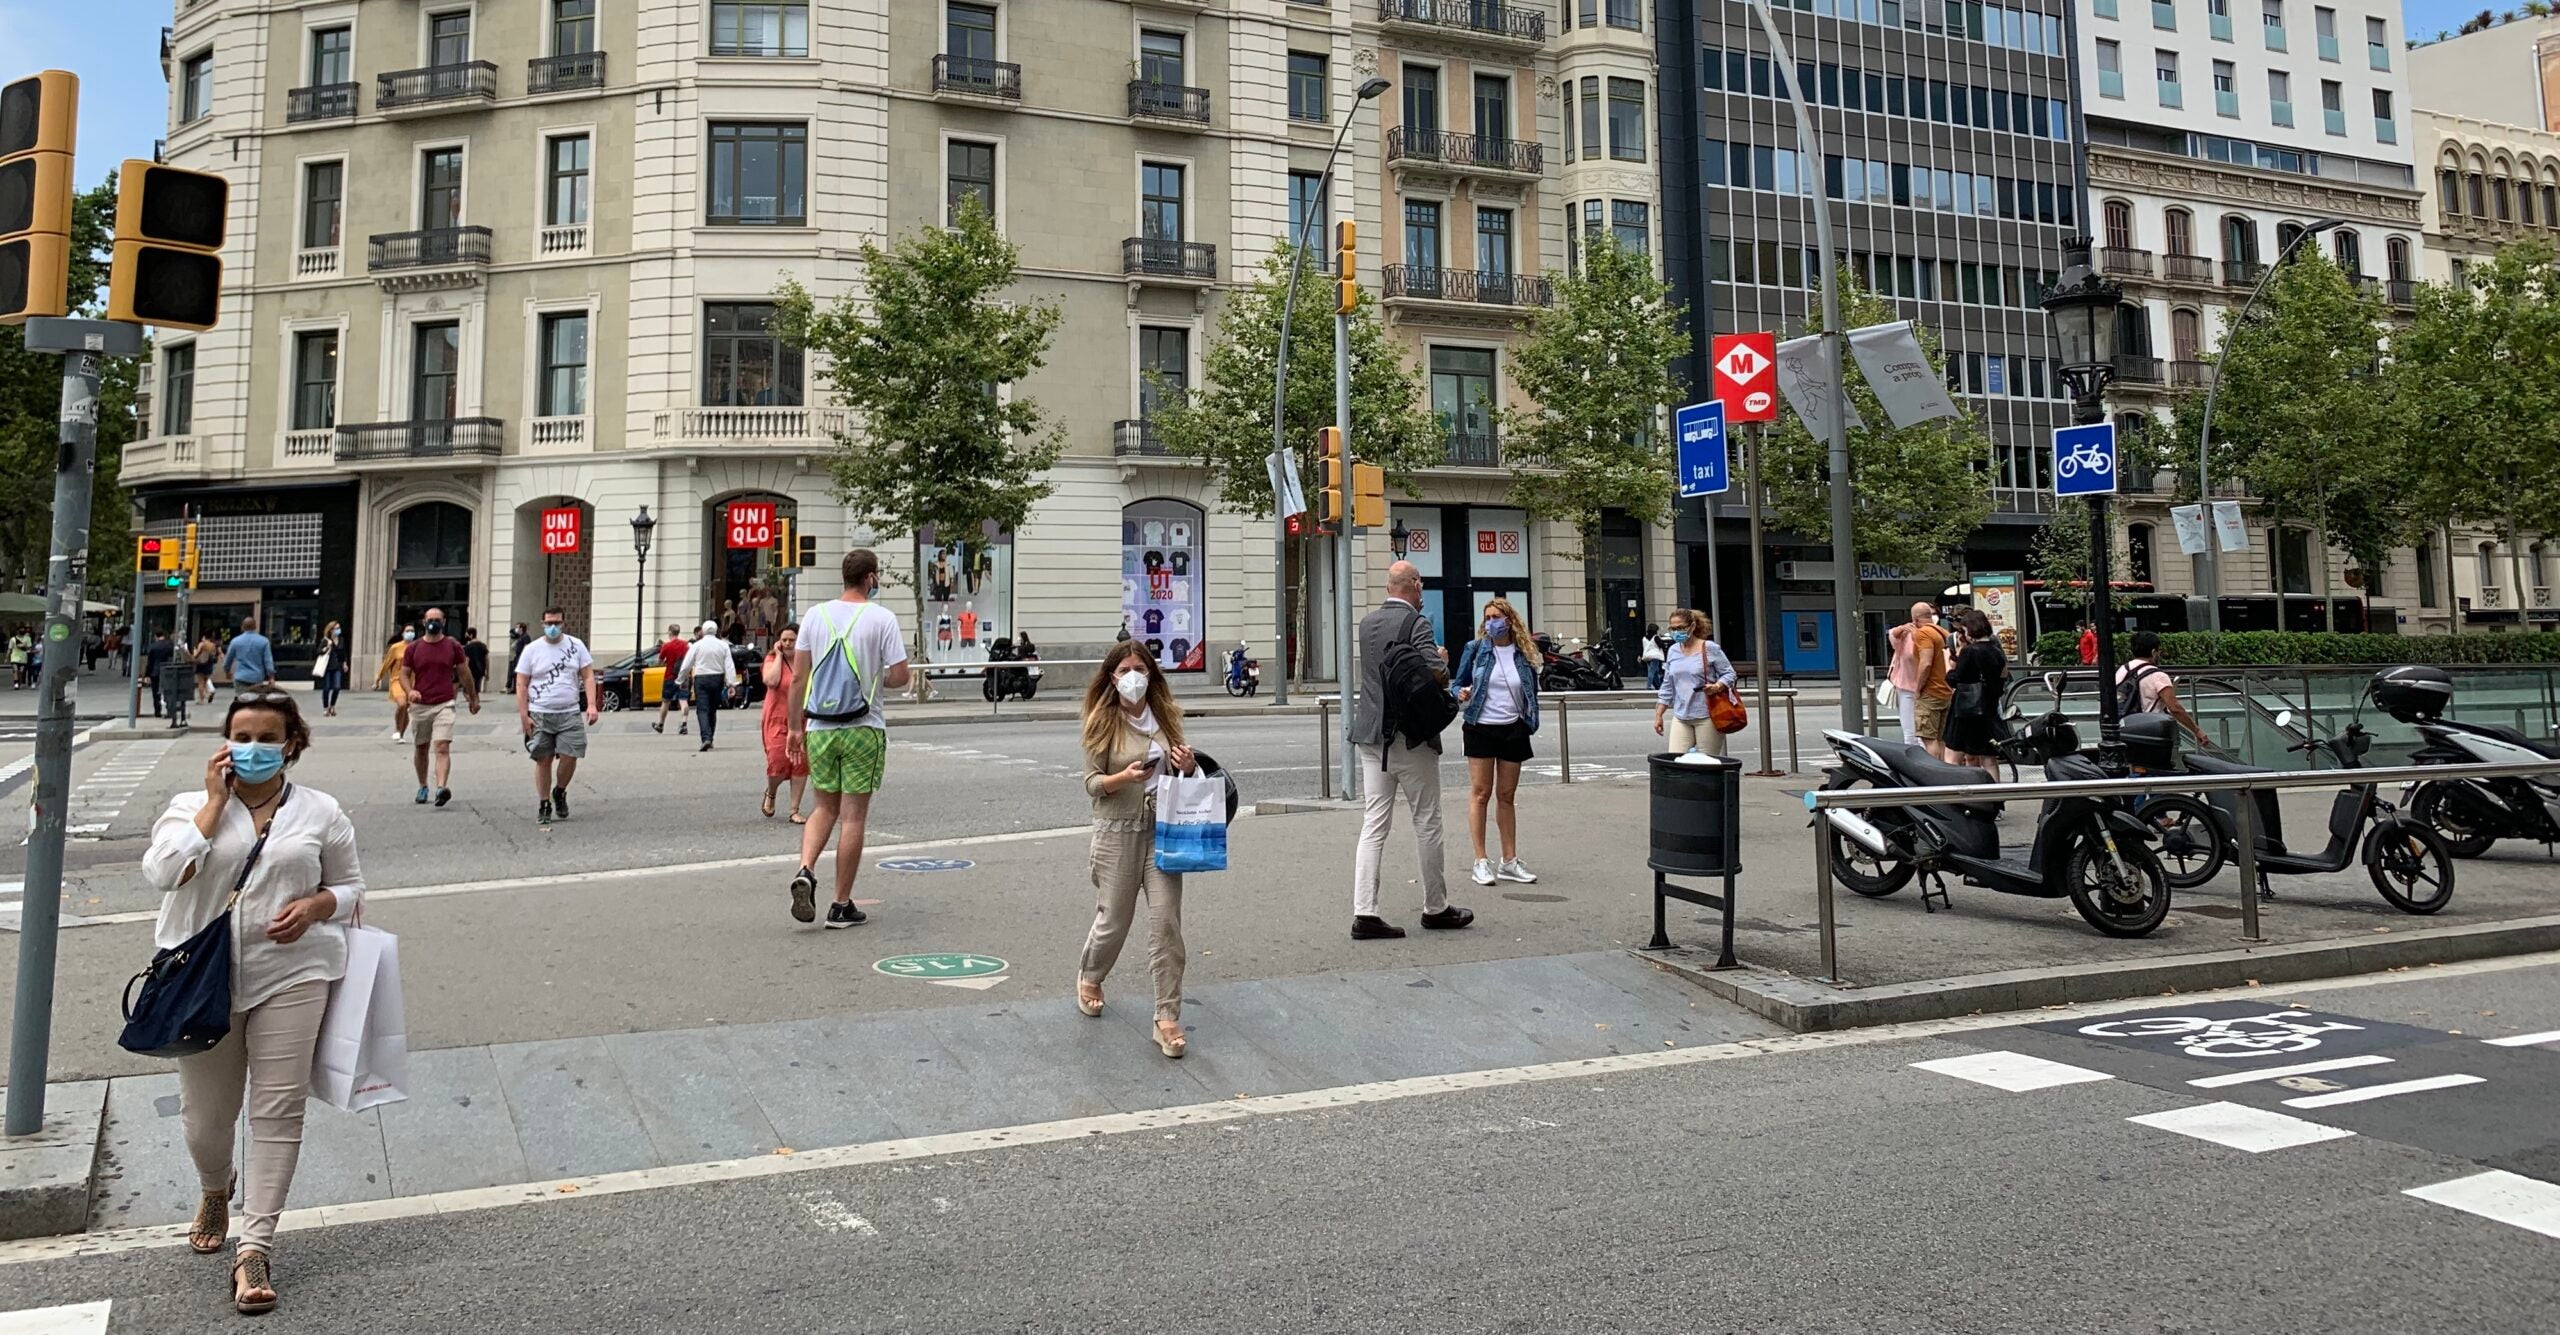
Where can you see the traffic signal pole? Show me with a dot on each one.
(133, 661)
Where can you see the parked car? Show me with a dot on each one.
(615, 680)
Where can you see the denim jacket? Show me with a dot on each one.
(1475, 672)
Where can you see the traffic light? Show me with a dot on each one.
(146, 554)
(1329, 501)
(38, 117)
(1368, 496)
(169, 226)
(808, 553)
(186, 578)
(1346, 267)
(786, 552)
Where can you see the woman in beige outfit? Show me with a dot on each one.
(1132, 731)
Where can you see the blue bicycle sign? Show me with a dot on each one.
(2084, 460)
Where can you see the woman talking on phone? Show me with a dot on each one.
(288, 853)
(1132, 731)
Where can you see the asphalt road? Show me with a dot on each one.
(1829, 1185)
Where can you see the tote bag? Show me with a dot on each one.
(362, 1058)
(1191, 822)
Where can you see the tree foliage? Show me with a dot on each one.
(1598, 366)
(2059, 554)
(1919, 491)
(30, 410)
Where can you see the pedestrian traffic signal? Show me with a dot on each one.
(807, 556)
(169, 226)
(1329, 500)
(38, 120)
(1368, 496)
(1346, 267)
(146, 554)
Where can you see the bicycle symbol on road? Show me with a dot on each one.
(2238, 1036)
(2086, 454)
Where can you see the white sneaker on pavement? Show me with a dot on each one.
(1513, 869)
(1483, 872)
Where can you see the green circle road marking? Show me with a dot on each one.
(959, 965)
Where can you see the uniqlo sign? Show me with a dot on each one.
(750, 525)
(1746, 376)
(559, 532)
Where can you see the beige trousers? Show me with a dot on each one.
(1413, 771)
(1124, 867)
(267, 1053)
(1680, 732)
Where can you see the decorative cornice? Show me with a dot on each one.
(2215, 183)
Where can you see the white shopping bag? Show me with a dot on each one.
(362, 1060)
(1191, 822)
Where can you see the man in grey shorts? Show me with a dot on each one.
(556, 699)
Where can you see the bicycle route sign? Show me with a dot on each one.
(942, 966)
(2084, 460)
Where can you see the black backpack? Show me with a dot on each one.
(2129, 691)
(1414, 700)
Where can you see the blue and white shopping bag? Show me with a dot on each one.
(1191, 822)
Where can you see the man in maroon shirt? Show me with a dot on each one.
(434, 669)
(671, 688)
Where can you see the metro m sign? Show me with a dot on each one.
(560, 532)
(1746, 376)
(750, 525)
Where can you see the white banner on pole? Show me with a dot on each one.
(1287, 496)
(2230, 527)
(1807, 385)
(1898, 371)
(2192, 536)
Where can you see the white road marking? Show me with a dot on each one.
(2370, 1092)
(973, 984)
(80, 1319)
(2279, 1072)
(2015, 1072)
(2240, 1127)
(2524, 1040)
(834, 1215)
(2509, 1198)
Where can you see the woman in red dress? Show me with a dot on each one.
(778, 762)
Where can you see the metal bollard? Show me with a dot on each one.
(1828, 925)
(1324, 745)
(1564, 735)
(1795, 760)
(2248, 840)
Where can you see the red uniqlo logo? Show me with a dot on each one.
(1510, 543)
(750, 525)
(559, 532)
(1484, 542)
(1746, 376)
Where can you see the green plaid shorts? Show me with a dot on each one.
(848, 760)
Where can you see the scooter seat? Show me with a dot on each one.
(1926, 771)
(2197, 764)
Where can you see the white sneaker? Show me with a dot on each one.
(1513, 869)
(1484, 872)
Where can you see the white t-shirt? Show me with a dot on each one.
(1502, 687)
(551, 674)
(870, 634)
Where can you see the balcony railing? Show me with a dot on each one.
(2401, 292)
(1168, 102)
(439, 438)
(1466, 285)
(2365, 282)
(749, 425)
(1193, 260)
(978, 77)
(563, 74)
(2186, 268)
(2124, 262)
(1136, 436)
(2136, 370)
(1460, 450)
(434, 248)
(1482, 18)
(561, 239)
(1465, 150)
(2191, 374)
(2242, 273)
(557, 433)
(320, 102)
(317, 442)
(316, 262)
(471, 81)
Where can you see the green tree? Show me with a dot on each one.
(1919, 492)
(919, 360)
(30, 409)
(1598, 366)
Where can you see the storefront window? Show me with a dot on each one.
(968, 593)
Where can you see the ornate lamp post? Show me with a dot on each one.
(642, 526)
(2083, 308)
(1400, 538)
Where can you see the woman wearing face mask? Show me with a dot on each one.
(1497, 681)
(779, 763)
(1695, 670)
(332, 668)
(290, 854)
(1132, 731)
(389, 672)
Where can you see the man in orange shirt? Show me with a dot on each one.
(1929, 652)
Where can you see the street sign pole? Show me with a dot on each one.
(2084, 464)
(133, 655)
(1760, 614)
(1344, 626)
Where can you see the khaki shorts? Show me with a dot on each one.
(1931, 714)
(562, 733)
(431, 723)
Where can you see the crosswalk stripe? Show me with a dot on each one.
(2509, 1198)
(77, 1319)
(2015, 1072)
(2240, 1127)
(2524, 1040)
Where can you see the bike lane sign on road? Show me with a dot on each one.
(2229, 1033)
(2084, 460)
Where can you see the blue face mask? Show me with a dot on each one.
(408, 635)
(550, 632)
(256, 762)
(1679, 637)
(1497, 628)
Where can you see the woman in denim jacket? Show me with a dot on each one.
(1497, 682)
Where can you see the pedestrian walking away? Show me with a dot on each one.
(2088, 645)
(2144, 687)
(779, 764)
(282, 859)
(206, 655)
(671, 654)
(1398, 758)
(710, 673)
(1498, 696)
(1903, 672)
(557, 700)
(1695, 671)
(517, 639)
(389, 676)
(849, 656)
(477, 652)
(1132, 733)
(250, 658)
(435, 669)
(330, 668)
(1650, 654)
(1980, 675)
(155, 662)
(22, 657)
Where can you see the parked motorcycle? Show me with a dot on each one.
(1592, 667)
(998, 683)
(1244, 675)
(2093, 851)
(2469, 814)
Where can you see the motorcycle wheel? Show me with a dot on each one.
(1863, 872)
(987, 688)
(2192, 848)
(2125, 896)
(1030, 687)
(2410, 865)
(2431, 809)
(1235, 688)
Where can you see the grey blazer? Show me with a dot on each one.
(1377, 630)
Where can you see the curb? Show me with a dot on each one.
(49, 1180)
(1805, 1005)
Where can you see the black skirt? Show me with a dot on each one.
(1499, 741)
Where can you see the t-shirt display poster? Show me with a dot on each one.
(1163, 602)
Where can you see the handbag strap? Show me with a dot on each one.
(250, 863)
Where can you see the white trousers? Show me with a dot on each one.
(1414, 771)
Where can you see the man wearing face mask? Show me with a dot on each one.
(557, 700)
(848, 658)
(434, 669)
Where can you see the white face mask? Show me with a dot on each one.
(1131, 685)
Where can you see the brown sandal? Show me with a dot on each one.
(212, 1225)
(249, 1274)
(1174, 1043)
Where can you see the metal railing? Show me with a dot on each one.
(2186, 268)
(1157, 258)
(1447, 148)
(320, 102)
(1137, 436)
(2134, 369)
(433, 438)
(2187, 374)
(2401, 292)
(977, 77)
(1482, 17)
(475, 79)
(1559, 704)
(2124, 262)
(564, 73)
(2242, 273)
(1474, 286)
(433, 248)
(1168, 102)
(2323, 698)
(1461, 449)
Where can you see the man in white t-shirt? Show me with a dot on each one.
(556, 702)
(839, 723)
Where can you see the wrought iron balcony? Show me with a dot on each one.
(1136, 436)
(565, 73)
(1470, 18)
(434, 248)
(471, 81)
(1168, 102)
(2186, 268)
(1195, 261)
(1462, 450)
(320, 102)
(1465, 151)
(2242, 273)
(2124, 262)
(1413, 281)
(437, 438)
(2401, 292)
(2186, 374)
(2132, 369)
(972, 76)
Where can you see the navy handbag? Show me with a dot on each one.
(185, 1002)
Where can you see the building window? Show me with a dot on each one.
(178, 390)
(2271, 17)
(2226, 89)
(969, 172)
(969, 32)
(2426, 572)
(2350, 252)
(2333, 106)
(1308, 215)
(323, 193)
(2110, 69)
(2479, 195)
(1493, 241)
(1422, 234)
(1306, 87)
(563, 389)
(1462, 395)
(763, 28)
(1421, 99)
(2181, 228)
(195, 88)
(1164, 367)
(2186, 335)
(1160, 201)
(565, 195)
(1160, 58)
(1493, 108)
(743, 363)
(449, 39)
(2280, 97)
(2164, 68)
(2137, 543)
(1631, 226)
(573, 27)
(2119, 216)
(332, 56)
(2324, 25)
(2386, 128)
(2377, 43)
(315, 380)
(2488, 565)
(1626, 120)
(440, 188)
(759, 175)
(1625, 14)
(435, 372)
(2395, 259)
(2164, 15)
(1591, 117)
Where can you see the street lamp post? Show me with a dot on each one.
(642, 526)
(2083, 308)
(1368, 91)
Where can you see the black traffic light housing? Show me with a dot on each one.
(169, 230)
(39, 118)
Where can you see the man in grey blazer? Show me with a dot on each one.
(1391, 764)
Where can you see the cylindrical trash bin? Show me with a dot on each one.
(1694, 813)
(177, 688)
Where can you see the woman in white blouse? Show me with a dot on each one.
(287, 946)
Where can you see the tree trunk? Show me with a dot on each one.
(2515, 560)
(2275, 565)
(2320, 534)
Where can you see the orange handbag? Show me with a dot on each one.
(1725, 712)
